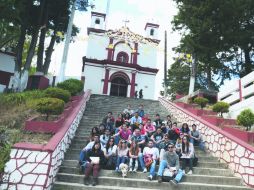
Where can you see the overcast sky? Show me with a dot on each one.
(138, 12)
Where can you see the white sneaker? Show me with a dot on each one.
(130, 170)
(150, 177)
(135, 170)
(184, 172)
(145, 170)
(190, 172)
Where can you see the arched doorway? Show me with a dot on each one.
(119, 87)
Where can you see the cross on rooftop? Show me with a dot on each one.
(125, 22)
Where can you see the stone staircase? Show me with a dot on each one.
(210, 174)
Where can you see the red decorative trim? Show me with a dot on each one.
(120, 74)
(105, 86)
(5, 77)
(135, 55)
(128, 65)
(122, 53)
(133, 81)
(98, 14)
(152, 25)
(240, 90)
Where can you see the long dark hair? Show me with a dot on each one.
(108, 144)
(95, 143)
(187, 130)
(187, 144)
(96, 131)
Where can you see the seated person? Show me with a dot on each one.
(141, 111)
(149, 158)
(123, 134)
(178, 147)
(122, 154)
(170, 160)
(187, 154)
(158, 121)
(157, 138)
(140, 139)
(174, 134)
(89, 146)
(195, 138)
(133, 155)
(104, 138)
(127, 118)
(119, 122)
(128, 110)
(135, 121)
(102, 129)
(145, 119)
(165, 142)
(94, 160)
(110, 154)
(168, 122)
(149, 128)
(94, 131)
(109, 121)
(185, 130)
(142, 129)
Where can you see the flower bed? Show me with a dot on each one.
(34, 166)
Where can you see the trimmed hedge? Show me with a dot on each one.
(58, 93)
(221, 107)
(201, 101)
(50, 106)
(246, 118)
(74, 86)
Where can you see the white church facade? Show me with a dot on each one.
(119, 63)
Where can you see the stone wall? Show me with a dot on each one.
(34, 167)
(238, 155)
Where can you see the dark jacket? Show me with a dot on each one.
(91, 153)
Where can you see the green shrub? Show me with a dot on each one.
(50, 106)
(74, 86)
(5, 151)
(221, 107)
(246, 118)
(201, 101)
(58, 93)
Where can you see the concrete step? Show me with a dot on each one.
(182, 186)
(144, 183)
(139, 174)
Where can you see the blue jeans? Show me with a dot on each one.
(142, 164)
(163, 165)
(200, 143)
(120, 160)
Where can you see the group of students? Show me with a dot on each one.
(135, 140)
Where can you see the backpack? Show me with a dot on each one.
(148, 160)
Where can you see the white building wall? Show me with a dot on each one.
(93, 77)
(96, 46)
(7, 63)
(147, 83)
(147, 55)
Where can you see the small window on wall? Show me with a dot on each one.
(97, 21)
(122, 57)
(151, 32)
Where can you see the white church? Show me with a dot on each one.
(120, 62)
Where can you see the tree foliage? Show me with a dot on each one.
(221, 107)
(246, 118)
(201, 101)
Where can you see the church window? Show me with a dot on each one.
(97, 21)
(152, 32)
(122, 57)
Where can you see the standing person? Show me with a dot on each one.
(187, 154)
(109, 121)
(149, 158)
(110, 154)
(133, 155)
(136, 94)
(135, 121)
(141, 93)
(170, 160)
(158, 121)
(95, 159)
(141, 111)
(122, 154)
